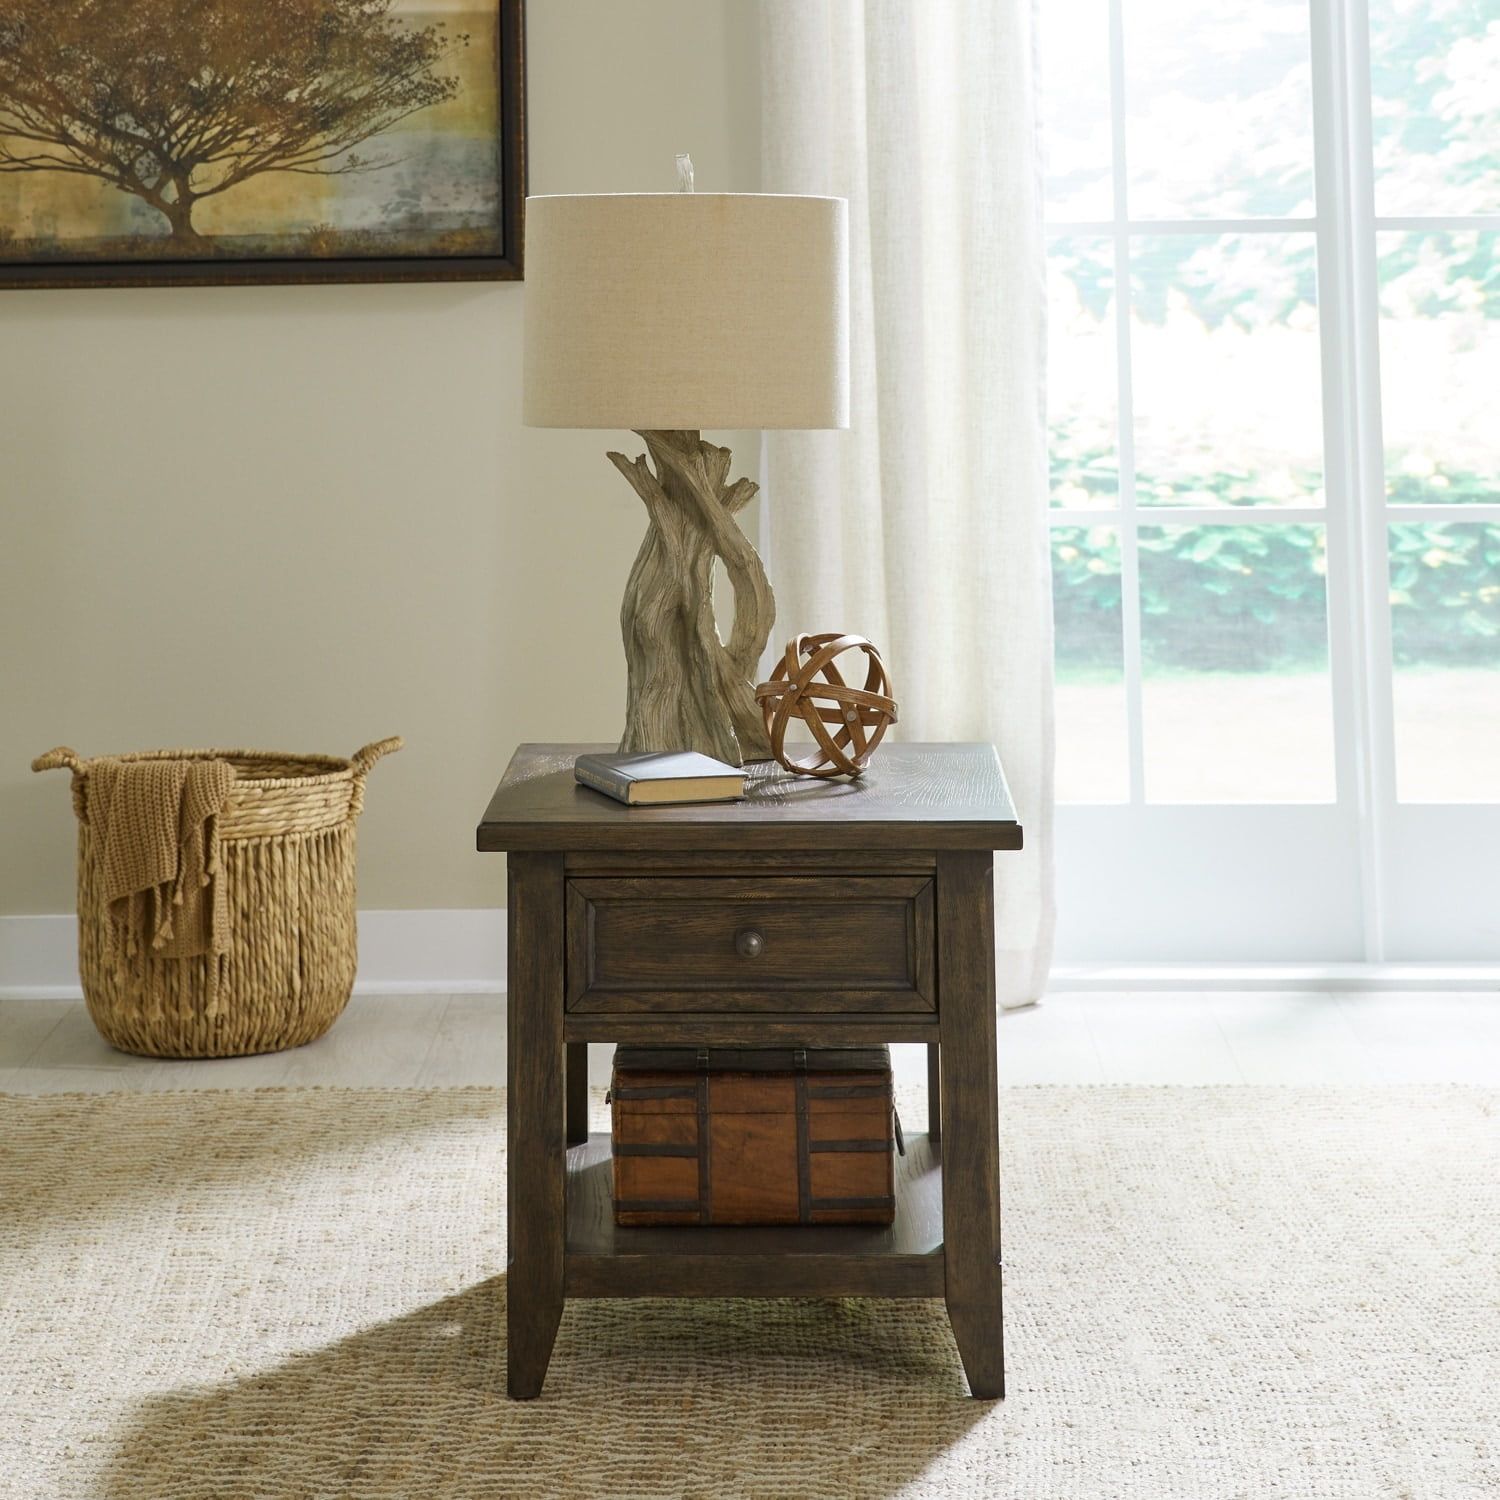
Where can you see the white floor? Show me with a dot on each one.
(50, 1046)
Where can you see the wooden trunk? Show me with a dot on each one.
(718, 1135)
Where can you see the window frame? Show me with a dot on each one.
(1356, 512)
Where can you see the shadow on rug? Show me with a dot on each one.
(417, 1406)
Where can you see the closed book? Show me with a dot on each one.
(659, 778)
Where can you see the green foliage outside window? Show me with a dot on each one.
(1263, 588)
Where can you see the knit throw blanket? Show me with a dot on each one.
(155, 827)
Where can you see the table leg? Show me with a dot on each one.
(578, 1093)
(970, 1116)
(536, 1151)
(934, 1091)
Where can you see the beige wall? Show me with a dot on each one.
(308, 517)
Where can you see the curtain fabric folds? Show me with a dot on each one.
(924, 527)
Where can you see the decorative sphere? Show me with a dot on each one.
(807, 684)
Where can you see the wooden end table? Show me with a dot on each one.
(874, 905)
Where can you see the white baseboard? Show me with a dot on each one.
(39, 958)
(1165, 978)
(400, 953)
(431, 952)
(463, 953)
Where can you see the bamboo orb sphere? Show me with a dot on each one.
(847, 722)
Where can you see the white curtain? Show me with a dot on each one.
(924, 526)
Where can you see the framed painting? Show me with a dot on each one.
(181, 142)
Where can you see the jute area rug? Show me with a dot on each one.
(1212, 1293)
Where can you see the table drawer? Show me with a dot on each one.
(776, 943)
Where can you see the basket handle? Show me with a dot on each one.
(363, 760)
(55, 760)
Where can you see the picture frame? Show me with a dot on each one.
(379, 143)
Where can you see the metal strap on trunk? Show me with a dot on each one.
(804, 1136)
(705, 1181)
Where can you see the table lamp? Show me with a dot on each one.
(665, 313)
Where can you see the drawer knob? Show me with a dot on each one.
(748, 943)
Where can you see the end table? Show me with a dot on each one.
(810, 913)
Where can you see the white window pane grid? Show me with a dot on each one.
(1092, 725)
(1435, 110)
(1429, 273)
(1445, 649)
(1225, 372)
(1235, 675)
(1140, 707)
(1218, 106)
(1082, 372)
(1076, 105)
(1440, 364)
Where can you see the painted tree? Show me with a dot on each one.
(175, 101)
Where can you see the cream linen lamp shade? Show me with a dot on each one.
(680, 311)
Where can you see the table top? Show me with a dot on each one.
(913, 797)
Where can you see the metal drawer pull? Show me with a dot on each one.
(748, 943)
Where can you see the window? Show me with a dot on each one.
(1274, 383)
(1435, 117)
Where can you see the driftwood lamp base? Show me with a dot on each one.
(686, 688)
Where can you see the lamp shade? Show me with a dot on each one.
(686, 310)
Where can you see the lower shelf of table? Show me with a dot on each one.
(904, 1260)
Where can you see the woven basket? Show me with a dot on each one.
(286, 848)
